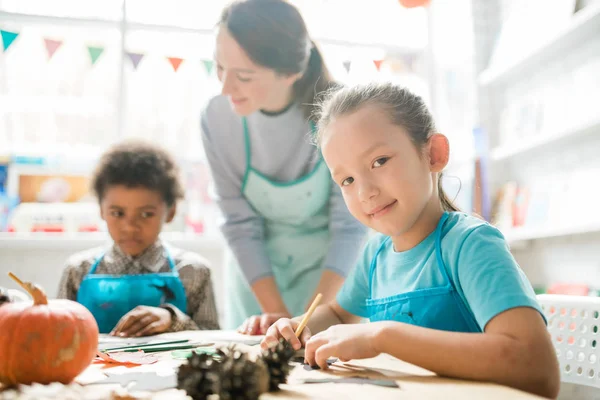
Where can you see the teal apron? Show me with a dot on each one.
(436, 308)
(296, 219)
(109, 297)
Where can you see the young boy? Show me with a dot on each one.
(140, 285)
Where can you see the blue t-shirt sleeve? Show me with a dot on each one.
(489, 277)
(356, 289)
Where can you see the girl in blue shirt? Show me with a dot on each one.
(440, 288)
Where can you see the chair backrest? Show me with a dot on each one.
(574, 325)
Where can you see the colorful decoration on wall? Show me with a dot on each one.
(52, 46)
(413, 3)
(175, 62)
(8, 38)
(208, 65)
(95, 53)
(347, 65)
(135, 58)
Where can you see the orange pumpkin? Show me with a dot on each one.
(47, 341)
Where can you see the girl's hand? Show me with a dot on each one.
(285, 328)
(346, 342)
(143, 321)
(258, 324)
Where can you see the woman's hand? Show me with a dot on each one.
(346, 342)
(143, 321)
(258, 324)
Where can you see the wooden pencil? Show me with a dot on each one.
(311, 309)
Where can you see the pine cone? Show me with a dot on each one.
(242, 378)
(200, 376)
(277, 360)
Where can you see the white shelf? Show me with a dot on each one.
(535, 142)
(524, 234)
(82, 241)
(584, 25)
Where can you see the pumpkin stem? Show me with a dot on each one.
(39, 297)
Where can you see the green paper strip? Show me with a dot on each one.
(142, 346)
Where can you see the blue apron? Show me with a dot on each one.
(110, 297)
(438, 307)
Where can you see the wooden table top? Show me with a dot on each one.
(413, 382)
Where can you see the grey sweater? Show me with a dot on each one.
(281, 150)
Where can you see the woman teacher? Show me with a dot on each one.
(285, 222)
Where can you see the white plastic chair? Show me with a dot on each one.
(574, 325)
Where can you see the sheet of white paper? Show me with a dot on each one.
(233, 337)
(114, 341)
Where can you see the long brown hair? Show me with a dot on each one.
(403, 107)
(274, 35)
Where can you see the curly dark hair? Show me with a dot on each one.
(136, 163)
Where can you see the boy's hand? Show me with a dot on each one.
(285, 328)
(258, 324)
(346, 342)
(143, 321)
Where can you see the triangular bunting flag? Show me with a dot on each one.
(409, 61)
(135, 58)
(95, 53)
(8, 38)
(175, 62)
(208, 65)
(52, 46)
(413, 3)
(347, 65)
(378, 64)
